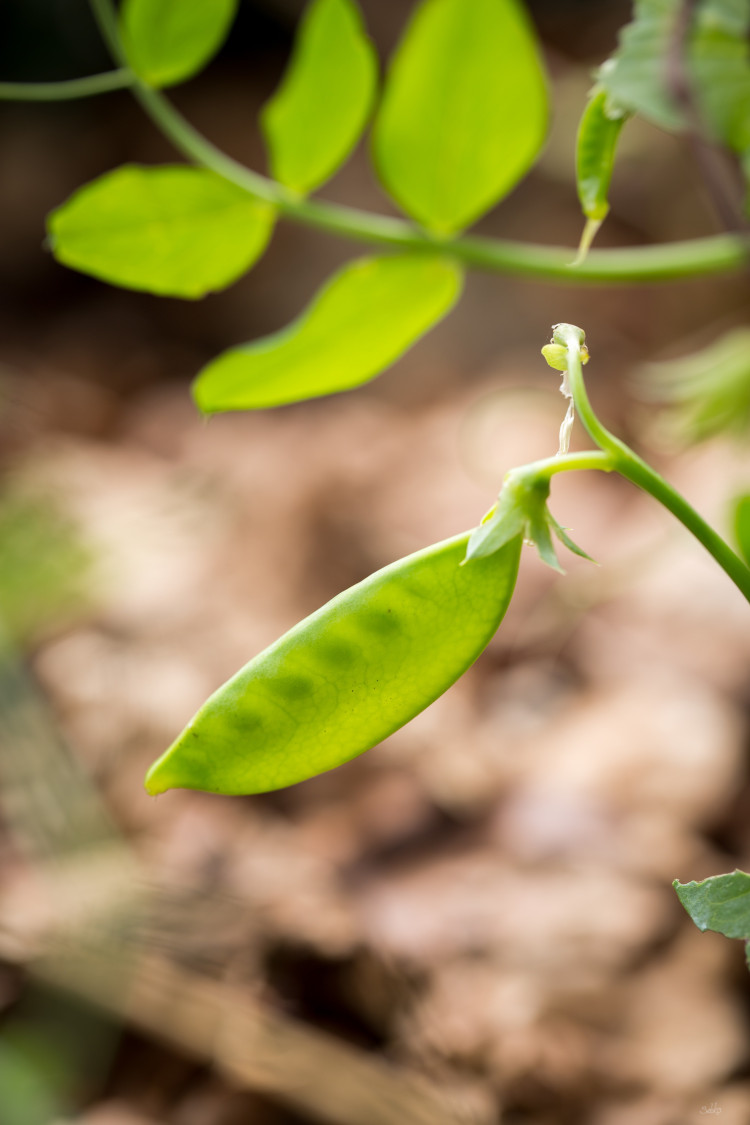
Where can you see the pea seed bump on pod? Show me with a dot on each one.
(347, 676)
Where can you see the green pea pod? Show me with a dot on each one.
(598, 133)
(347, 676)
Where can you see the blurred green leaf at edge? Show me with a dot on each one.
(716, 63)
(168, 41)
(720, 903)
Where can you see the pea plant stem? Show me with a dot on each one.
(716, 254)
(629, 465)
(694, 258)
(65, 91)
(567, 462)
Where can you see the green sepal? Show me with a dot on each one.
(565, 539)
(522, 509)
(499, 526)
(538, 533)
(563, 332)
(556, 351)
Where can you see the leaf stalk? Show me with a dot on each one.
(72, 88)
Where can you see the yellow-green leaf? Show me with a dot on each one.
(167, 41)
(316, 116)
(358, 324)
(173, 230)
(464, 111)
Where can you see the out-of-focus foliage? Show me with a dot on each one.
(720, 903)
(316, 116)
(33, 1077)
(707, 392)
(595, 155)
(167, 41)
(44, 567)
(51, 1050)
(596, 146)
(643, 74)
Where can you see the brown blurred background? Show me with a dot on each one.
(474, 922)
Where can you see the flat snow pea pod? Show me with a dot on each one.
(598, 133)
(347, 676)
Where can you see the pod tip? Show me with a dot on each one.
(153, 783)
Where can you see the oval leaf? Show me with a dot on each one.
(347, 676)
(358, 324)
(464, 111)
(167, 41)
(316, 116)
(173, 230)
(720, 903)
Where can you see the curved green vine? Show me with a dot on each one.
(672, 261)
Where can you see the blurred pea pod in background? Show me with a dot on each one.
(596, 145)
